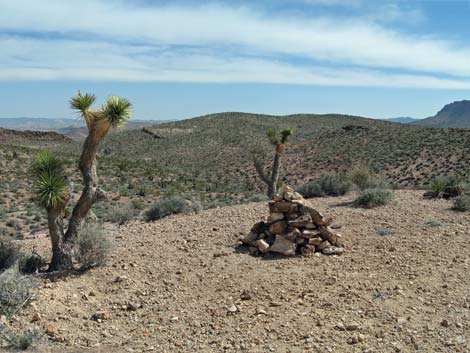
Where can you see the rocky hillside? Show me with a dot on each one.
(219, 147)
(454, 115)
(32, 138)
(183, 284)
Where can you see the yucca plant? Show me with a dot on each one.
(279, 141)
(52, 187)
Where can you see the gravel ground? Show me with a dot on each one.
(181, 284)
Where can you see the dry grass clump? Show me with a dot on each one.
(93, 246)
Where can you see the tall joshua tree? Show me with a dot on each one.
(279, 141)
(51, 184)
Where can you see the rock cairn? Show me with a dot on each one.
(293, 228)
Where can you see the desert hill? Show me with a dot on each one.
(453, 115)
(29, 138)
(219, 146)
(181, 284)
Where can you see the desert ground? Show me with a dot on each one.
(183, 284)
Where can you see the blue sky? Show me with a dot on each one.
(177, 59)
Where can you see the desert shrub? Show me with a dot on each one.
(442, 182)
(169, 206)
(258, 198)
(93, 246)
(121, 214)
(334, 185)
(374, 197)
(15, 290)
(30, 263)
(326, 185)
(462, 203)
(311, 189)
(363, 178)
(19, 340)
(9, 255)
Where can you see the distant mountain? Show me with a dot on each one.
(402, 120)
(73, 128)
(456, 114)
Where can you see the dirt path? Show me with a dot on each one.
(179, 285)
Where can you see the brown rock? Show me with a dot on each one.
(315, 241)
(36, 317)
(250, 238)
(100, 315)
(307, 233)
(307, 250)
(293, 234)
(279, 227)
(279, 207)
(283, 246)
(301, 221)
(325, 244)
(273, 217)
(52, 330)
(326, 234)
(259, 227)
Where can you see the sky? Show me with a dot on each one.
(182, 58)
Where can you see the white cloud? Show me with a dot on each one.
(222, 38)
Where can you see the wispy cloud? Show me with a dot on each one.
(104, 40)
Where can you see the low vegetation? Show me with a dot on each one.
(93, 246)
(326, 185)
(462, 203)
(170, 206)
(374, 197)
(16, 290)
(19, 341)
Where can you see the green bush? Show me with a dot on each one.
(326, 185)
(15, 290)
(121, 214)
(93, 246)
(19, 340)
(9, 255)
(169, 206)
(311, 189)
(374, 197)
(442, 182)
(258, 198)
(462, 203)
(363, 178)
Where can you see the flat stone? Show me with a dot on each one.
(301, 221)
(308, 233)
(273, 217)
(324, 244)
(283, 246)
(315, 241)
(250, 238)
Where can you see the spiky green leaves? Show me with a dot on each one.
(117, 110)
(285, 135)
(82, 102)
(283, 138)
(50, 184)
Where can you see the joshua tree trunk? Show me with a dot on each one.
(272, 187)
(63, 242)
(61, 251)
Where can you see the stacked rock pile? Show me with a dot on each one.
(293, 228)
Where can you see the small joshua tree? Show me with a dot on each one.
(52, 187)
(279, 141)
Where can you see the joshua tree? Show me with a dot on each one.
(52, 187)
(279, 141)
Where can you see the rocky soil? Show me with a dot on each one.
(181, 284)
